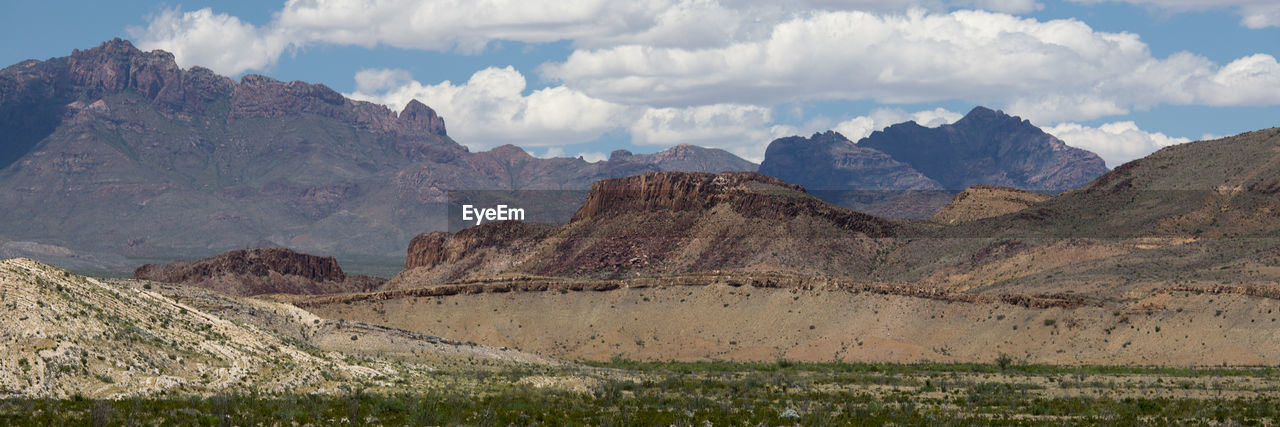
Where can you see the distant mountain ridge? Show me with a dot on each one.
(120, 151)
(988, 147)
(911, 170)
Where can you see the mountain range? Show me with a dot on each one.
(117, 150)
(1170, 259)
(908, 170)
(113, 152)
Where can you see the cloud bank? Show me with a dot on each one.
(712, 72)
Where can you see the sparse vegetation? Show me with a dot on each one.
(721, 393)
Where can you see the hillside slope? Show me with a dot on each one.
(71, 335)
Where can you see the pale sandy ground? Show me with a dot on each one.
(745, 323)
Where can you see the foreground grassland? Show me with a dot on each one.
(623, 392)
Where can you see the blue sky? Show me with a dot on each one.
(1119, 77)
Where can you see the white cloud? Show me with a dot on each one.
(490, 109)
(1073, 71)
(381, 79)
(219, 41)
(744, 130)
(230, 46)
(862, 126)
(551, 153)
(1117, 142)
(1007, 6)
(1253, 13)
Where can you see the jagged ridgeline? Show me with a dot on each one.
(116, 150)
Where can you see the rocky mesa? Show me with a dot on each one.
(247, 272)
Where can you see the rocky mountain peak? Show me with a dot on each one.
(988, 147)
(620, 154)
(419, 118)
(982, 114)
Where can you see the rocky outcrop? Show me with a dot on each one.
(669, 191)
(985, 201)
(246, 272)
(436, 248)
(482, 251)
(116, 65)
(749, 194)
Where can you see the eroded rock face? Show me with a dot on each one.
(260, 271)
(670, 191)
(432, 249)
(116, 65)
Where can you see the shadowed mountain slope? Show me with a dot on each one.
(908, 170)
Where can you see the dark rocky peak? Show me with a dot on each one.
(979, 115)
(828, 137)
(821, 141)
(420, 119)
(988, 147)
(116, 66)
(829, 161)
(620, 154)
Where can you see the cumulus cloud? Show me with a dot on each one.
(862, 126)
(709, 71)
(744, 130)
(491, 109)
(1116, 143)
(218, 41)
(1047, 71)
(230, 46)
(1253, 13)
